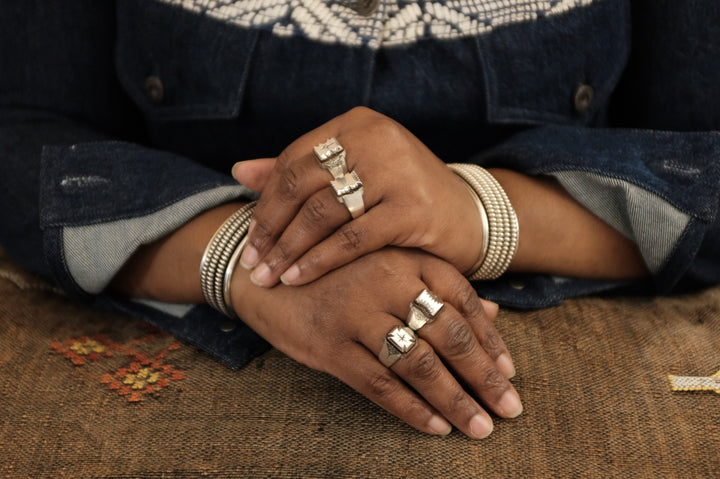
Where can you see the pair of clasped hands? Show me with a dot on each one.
(328, 288)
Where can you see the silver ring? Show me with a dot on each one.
(331, 156)
(423, 310)
(398, 342)
(349, 191)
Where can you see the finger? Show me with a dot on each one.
(292, 182)
(384, 388)
(453, 288)
(369, 232)
(295, 176)
(254, 173)
(422, 369)
(455, 341)
(319, 217)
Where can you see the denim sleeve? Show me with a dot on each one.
(75, 205)
(660, 189)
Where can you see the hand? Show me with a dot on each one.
(338, 323)
(300, 231)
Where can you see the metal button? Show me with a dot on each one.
(367, 7)
(515, 284)
(228, 327)
(154, 89)
(583, 99)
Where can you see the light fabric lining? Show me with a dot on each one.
(650, 221)
(95, 253)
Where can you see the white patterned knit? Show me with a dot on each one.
(395, 22)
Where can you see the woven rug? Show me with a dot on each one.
(95, 395)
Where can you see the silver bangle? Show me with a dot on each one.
(503, 228)
(218, 255)
(485, 229)
(211, 260)
(229, 272)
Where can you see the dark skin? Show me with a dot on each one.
(343, 337)
(335, 315)
(300, 231)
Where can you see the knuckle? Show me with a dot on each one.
(318, 357)
(288, 184)
(458, 400)
(461, 340)
(381, 385)
(284, 160)
(351, 237)
(493, 379)
(414, 408)
(386, 127)
(390, 268)
(280, 256)
(492, 342)
(315, 210)
(424, 365)
(261, 234)
(362, 111)
(468, 302)
(311, 261)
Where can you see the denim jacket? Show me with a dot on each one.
(119, 121)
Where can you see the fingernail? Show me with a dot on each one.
(289, 276)
(505, 365)
(439, 426)
(249, 257)
(260, 275)
(480, 426)
(510, 405)
(234, 170)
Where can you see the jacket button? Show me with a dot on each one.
(583, 99)
(367, 7)
(154, 89)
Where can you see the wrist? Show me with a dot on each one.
(562, 237)
(167, 269)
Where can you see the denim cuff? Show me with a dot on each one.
(100, 201)
(95, 253)
(660, 189)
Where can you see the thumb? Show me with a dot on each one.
(254, 173)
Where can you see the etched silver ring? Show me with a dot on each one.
(331, 156)
(399, 341)
(423, 310)
(349, 191)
